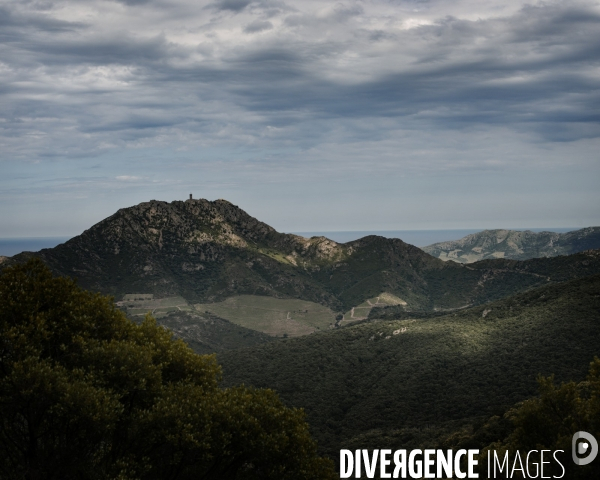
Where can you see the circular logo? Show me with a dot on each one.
(588, 446)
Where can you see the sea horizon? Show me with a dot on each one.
(10, 246)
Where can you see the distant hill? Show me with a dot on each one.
(515, 245)
(207, 252)
(409, 383)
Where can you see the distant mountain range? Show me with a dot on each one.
(207, 252)
(515, 245)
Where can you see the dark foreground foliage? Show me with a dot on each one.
(87, 394)
(545, 422)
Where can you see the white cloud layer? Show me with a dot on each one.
(298, 88)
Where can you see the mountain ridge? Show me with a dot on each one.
(515, 245)
(151, 246)
(209, 251)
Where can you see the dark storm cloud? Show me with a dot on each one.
(133, 2)
(119, 49)
(134, 122)
(258, 26)
(14, 23)
(518, 75)
(233, 5)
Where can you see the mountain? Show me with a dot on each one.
(199, 256)
(204, 251)
(444, 342)
(516, 245)
(409, 383)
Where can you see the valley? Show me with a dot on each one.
(413, 382)
(272, 316)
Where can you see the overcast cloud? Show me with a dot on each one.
(354, 115)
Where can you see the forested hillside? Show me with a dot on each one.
(400, 383)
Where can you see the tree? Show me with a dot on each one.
(85, 393)
(550, 421)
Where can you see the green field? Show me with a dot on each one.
(142, 303)
(274, 316)
(361, 312)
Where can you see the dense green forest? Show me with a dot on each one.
(546, 421)
(208, 333)
(87, 394)
(413, 382)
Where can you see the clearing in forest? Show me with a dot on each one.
(361, 311)
(274, 316)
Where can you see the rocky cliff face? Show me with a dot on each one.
(515, 245)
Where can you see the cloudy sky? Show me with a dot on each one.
(310, 115)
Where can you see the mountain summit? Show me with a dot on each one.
(209, 251)
(199, 249)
